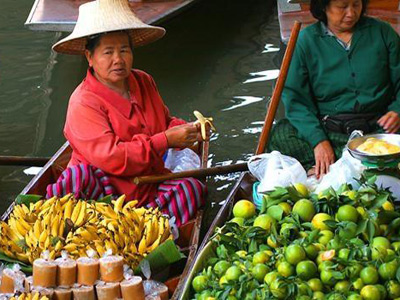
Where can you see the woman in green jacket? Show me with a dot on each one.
(344, 75)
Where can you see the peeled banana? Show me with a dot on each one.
(203, 121)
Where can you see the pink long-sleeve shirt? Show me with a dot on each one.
(124, 138)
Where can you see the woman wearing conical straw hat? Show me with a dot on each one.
(117, 123)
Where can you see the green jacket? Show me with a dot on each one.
(325, 79)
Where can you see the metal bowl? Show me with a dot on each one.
(371, 158)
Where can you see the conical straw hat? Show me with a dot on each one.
(105, 16)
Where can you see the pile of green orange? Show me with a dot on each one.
(337, 245)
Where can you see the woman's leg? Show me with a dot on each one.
(83, 181)
(180, 198)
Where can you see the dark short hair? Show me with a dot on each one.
(94, 40)
(318, 7)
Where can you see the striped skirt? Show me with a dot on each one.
(83, 181)
(181, 198)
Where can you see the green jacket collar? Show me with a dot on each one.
(364, 22)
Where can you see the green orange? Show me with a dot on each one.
(347, 213)
(221, 267)
(294, 254)
(200, 283)
(370, 292)
(285, 269)
(306, 269)
(318, 221)
(259, 271)
(244, 209)
(305, 209)
(233, 273)
(315, 284)
(264, 221)
(369, 275)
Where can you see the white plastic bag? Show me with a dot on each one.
(347, 169)
(274, 169)
(182, 160)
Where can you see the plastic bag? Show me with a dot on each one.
(275, 169)
(347, 169)
(182, 160)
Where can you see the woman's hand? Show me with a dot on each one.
(183, 136)
(324, 157)
(390, 122)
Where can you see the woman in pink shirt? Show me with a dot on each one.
(117, 123)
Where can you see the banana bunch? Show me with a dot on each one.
(77, 226)
(29, 296)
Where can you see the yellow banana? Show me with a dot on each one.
(106, 210)
(142, 245)
(61, 227)
(70, 247)
(99, 248)
(118, 204)
(203, 121)
(76, 211)
(35, 296)
(66, 198)
(81, 216)
(24, 223)
(85, 234)
(167, 230)
(43, 237)
(69, 206)
(16, 229)
(154, 245)
(111, 245)
(129, 206)
(37, 229)
(58, 246)
(23, 257)
(36, 207)
(48, 203)
(47, 242)
(55, 226)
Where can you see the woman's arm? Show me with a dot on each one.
(302, 112)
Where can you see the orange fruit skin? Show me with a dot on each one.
(244, 209)
(305, 209)
(347, 213)
(294, 254)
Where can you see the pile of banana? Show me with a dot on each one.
(77, 226)
(29, 296)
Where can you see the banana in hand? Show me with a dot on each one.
(203, 121)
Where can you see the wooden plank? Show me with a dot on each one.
(61, 15)
(387, 10)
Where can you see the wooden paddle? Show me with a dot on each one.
(263, 139)
(23, 161)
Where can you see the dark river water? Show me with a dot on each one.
(218, 57)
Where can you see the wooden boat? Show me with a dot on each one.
(243, 189)
(61, 15)
(291, 10)
(189, 233)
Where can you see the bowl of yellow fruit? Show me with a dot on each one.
(376, 148)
